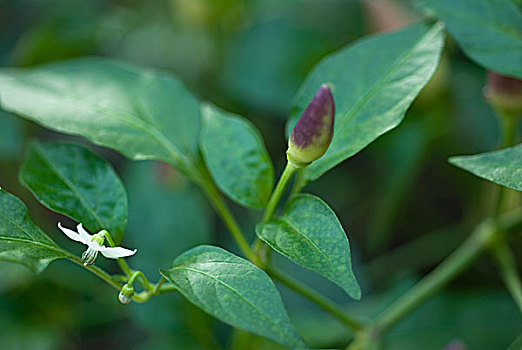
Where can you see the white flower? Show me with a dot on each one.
(95, 245)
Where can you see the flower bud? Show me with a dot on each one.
(311, 136)
(126, 294)
(504, 92)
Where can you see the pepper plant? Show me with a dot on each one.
(348, 100)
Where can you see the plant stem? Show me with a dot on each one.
(290, 169)
(509, 272)
(157, 287)
(508, 127)
(483, 237)
(145, 282)
(96, 270)
(123, 264)
(320, 300)
(278, 192)
(167, 288)
(435, 280)
(504, 256)
(229, 220)
(299, 183)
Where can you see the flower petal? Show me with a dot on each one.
(116, 252)
(85, 236)
(75, 236)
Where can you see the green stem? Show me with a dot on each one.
(504, 256)
(145, 282)
(157, 287)
(223, 211)
(121, 262)
(271, 207)
(320, 300)
(434, 281)
(153, 290)
(290, 169)
(95, 270)
(508, 126)
(508, 269)
(167, 288)
(299, 183)
(484, 236)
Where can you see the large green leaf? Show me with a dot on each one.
(234, 291)
(503, 167)
(21, 241)
(236, 157)
(138, 112)
(310, 234)
(375, 80)
(517, 344)
(489, 31)
(73, 181)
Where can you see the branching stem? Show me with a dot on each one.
(317, 298)
(482, 238)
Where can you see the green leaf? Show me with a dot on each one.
(236, 157)
(310, 234)
(234, 291)
(375, 80)
(73, 181)
(138, 112)
(21, 241)
(489, 31)
(517, 344)
(503, 167)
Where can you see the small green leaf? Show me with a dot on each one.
(489, 31)
(236, 157)
(309, 234)
(374, 82)
(503, 167)
(138, 112)
(21, 241)
(73, 181)
(234, 291)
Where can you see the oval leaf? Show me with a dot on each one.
(236, 157)
(309, 234)
(374, 82)
(234, 291)
(73, 181)
(503, 167)
(489, 31)
(136, 111)
(21, 241)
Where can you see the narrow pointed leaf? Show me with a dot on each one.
(236, 157)
(73, 181)
(489, 31)
(139, 112)
(309, 234)
(233, 290)
(21, 241)
(503, 167)
(374, 82)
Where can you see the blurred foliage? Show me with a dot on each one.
(402, 205)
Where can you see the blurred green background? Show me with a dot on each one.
(403, 206)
